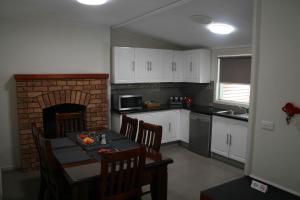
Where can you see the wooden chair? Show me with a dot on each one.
(121, 174)
(69, 122)
(129, 127)
(55, 184)
(150, 135)
(36, 133)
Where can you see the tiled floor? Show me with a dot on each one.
(188, 175)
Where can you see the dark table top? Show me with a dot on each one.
(240, 189)
(82, 163)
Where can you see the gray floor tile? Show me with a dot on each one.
(188, 176)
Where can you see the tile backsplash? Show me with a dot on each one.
(202, 94)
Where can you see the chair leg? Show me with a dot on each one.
(42, 189)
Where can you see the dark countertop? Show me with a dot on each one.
(232, 117)
(207, 110)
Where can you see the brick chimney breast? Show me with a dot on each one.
(36, 92)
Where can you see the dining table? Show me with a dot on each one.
(81, 164)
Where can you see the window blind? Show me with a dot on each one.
(235, 69)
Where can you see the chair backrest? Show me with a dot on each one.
(150, 135)
(36, 134)
(51, 171)
(129, 127)
(121, 174)
(46, 156)
(69, 122)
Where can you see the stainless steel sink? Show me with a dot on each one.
(244, 115)
(226, 112)
(233, 113)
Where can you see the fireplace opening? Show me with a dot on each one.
(49, 117)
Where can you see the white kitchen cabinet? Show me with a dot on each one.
(123, 69)
(220, 137)
(169, 120)
(184, 130)
(142, 65)
(172, 66)
(229, 138)
(197, 66)
(178, 66)
(148, 63)
(238, 140)
(172, 119)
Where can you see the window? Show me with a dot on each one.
(233, 84)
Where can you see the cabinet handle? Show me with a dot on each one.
(150, 65)
(169, 127)
(227, 139)
(191, 66)
(230, 140)
(133, 65)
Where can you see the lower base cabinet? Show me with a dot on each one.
(229, 138)
(174, 123)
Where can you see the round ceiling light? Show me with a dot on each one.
(219, 28)
(92, 2)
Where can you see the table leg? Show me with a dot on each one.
(159, 185)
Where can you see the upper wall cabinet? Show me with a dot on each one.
(197, 66)
(172, 66)
(141, 65)
(148, 65)
(123, 62)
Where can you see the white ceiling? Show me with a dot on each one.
(172, 25)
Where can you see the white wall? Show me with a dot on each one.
(276, 154)
(43, 47)
(126, 38)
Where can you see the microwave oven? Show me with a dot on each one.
(127, 102)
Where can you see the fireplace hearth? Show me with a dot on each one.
(41, 94)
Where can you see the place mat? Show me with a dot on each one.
(57, 143)
(70, 155)
(93, 153)
(123, 145)
(112, 135)
(72, 136)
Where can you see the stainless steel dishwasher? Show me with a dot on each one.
(200, 133)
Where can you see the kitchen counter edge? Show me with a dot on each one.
(207, 110)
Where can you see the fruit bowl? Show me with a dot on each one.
(85, 139)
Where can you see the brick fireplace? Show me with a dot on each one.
(36, 92)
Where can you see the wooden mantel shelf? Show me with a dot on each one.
(26, 77)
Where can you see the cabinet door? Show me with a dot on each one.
(142, 65)
(155, 59)
(173, 118)
(205, 66)
(184, 130)
(178, 66)
(167, 66)
(160, 118)
(188, 66)
(116, 122)
(238, 140)
(195, 56)
(220, 137)
(123, 65)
